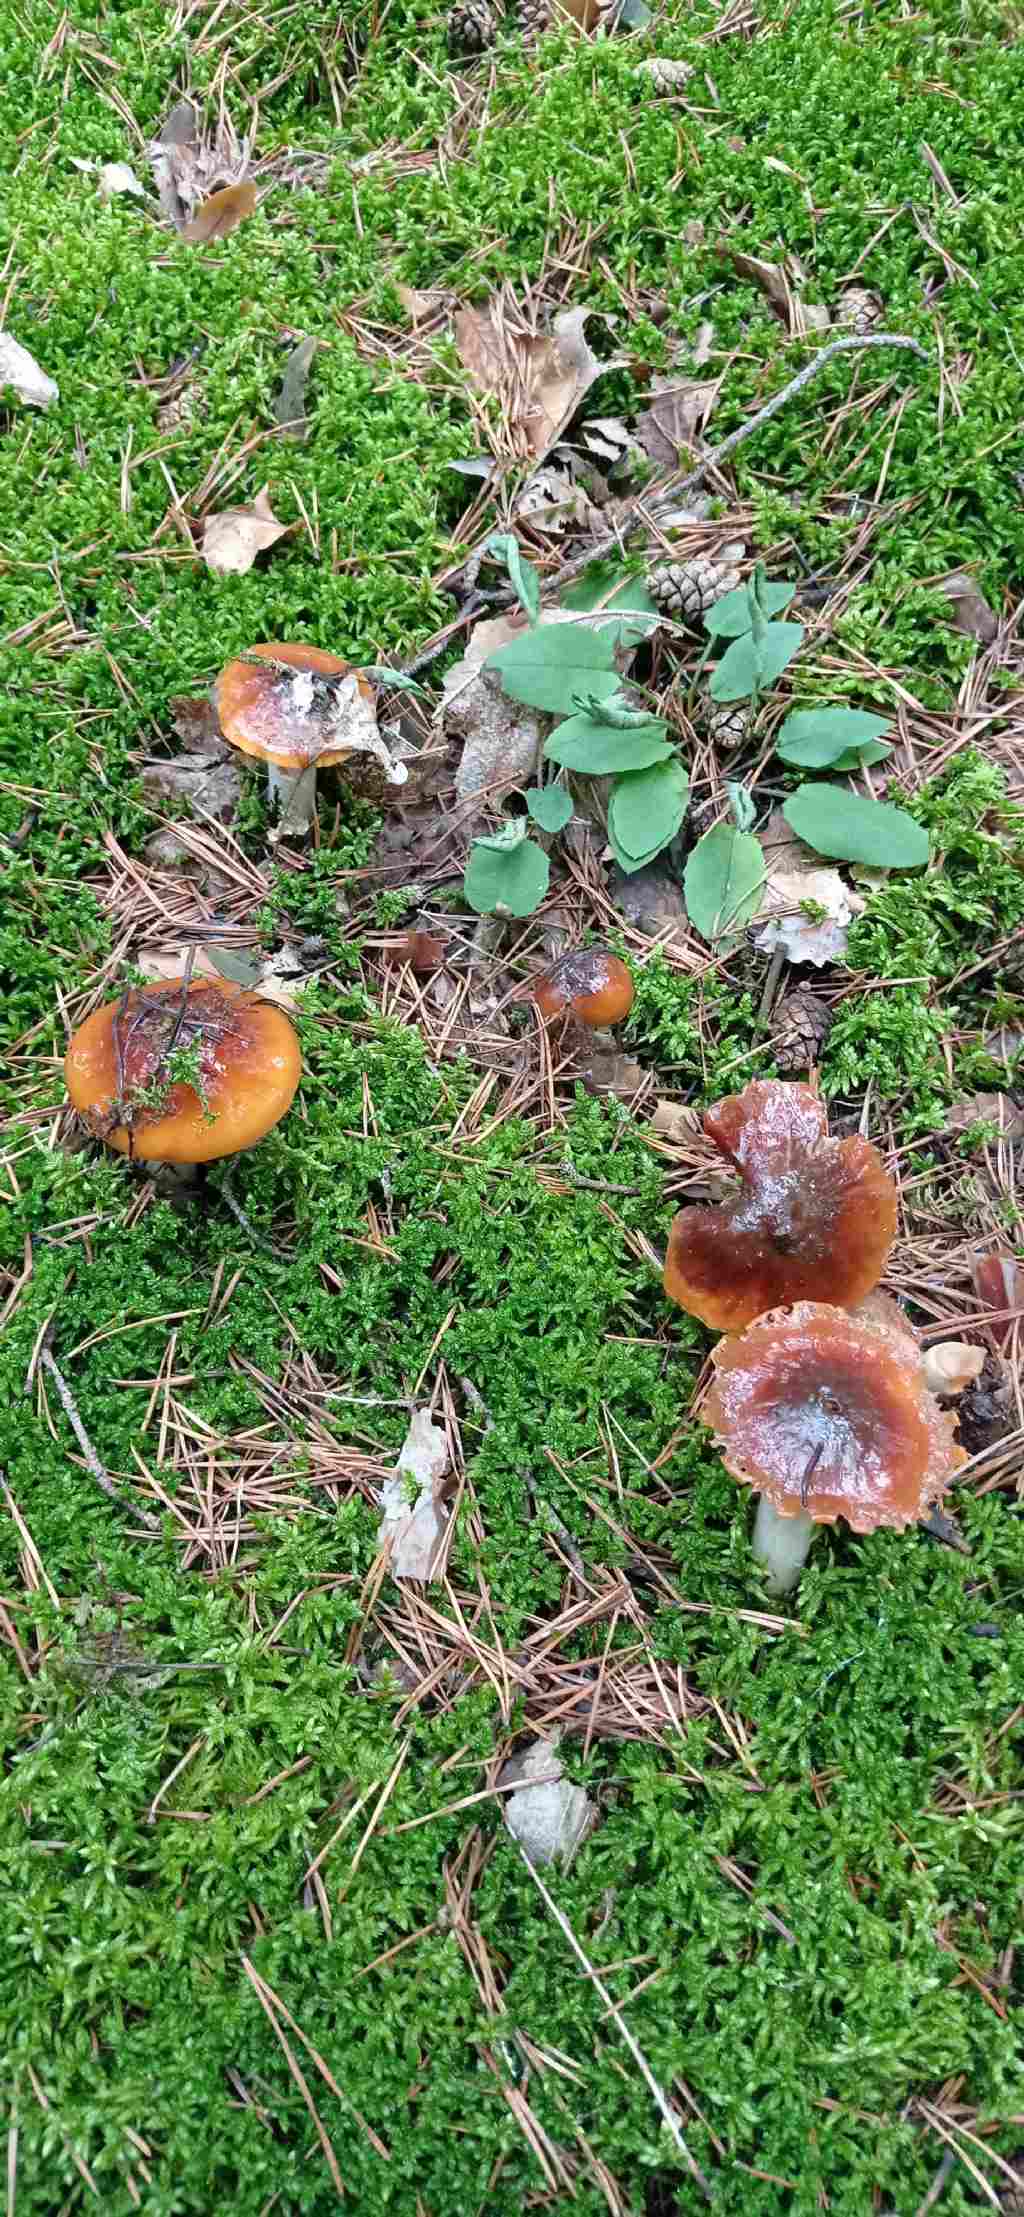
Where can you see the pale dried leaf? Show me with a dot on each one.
(552, 1819)
(952, 1365)
(678, 411)
(20, 370)
(771, 278)
(416, 1528)
(986, 1108)
(782, 925)
(220, 214)
(539, 379)
(232, 541)
(188, 166)
(551, 500)
(423, 304)
(971, 613)
(674, 1123)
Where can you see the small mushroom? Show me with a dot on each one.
(813, 1219)
(828, 1415)
(184, 1071)
(296, 708)
(590, 984)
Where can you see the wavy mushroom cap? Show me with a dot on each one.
(813, 1219)
(829, 1415)
(249, 1064)
(591, 984)
(280, 715)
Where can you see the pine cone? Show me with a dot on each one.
(860, 310)
(473, 26)
(799, 1030)
(728, 723)
(534, 17)
(687, 589)
(664, 75)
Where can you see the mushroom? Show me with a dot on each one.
(184, 1071)
(298, 709)
(813, 1219)
(590, 984)
(828, 1415)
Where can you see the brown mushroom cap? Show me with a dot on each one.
(828, 1415)
(591, 984)
(266, 714)
(249, 1061)
(814, 1217)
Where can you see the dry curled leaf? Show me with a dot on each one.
(679, 408)
(987, 1108)
(232, 540)
(111, 177)
(789, 919)
(538, 378)
(20, 370)
(970, 611)
(952, 1365)
(547, 1814)
(772, 279)
(220, 214)
(415, 1529)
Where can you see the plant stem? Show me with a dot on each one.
(782, 1544)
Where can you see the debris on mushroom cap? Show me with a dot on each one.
(813, 1216)
(245, 1053)
(828, 1415)
(300, 708)
(591, 984)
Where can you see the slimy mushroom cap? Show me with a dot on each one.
(248, 1059)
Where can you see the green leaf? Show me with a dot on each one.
(596, 750)
(723, 880)
(550, 806)
(552, 666)
(240, 968)
(597, 589)
(732, 615)
(524, 577)
(862, 757)
(646, 810)
(515, 879)
(750, 666)
(743, 810)
(392, 681)
(851, 828)
(817, 738)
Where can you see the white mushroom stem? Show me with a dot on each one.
(295, 795)
(782, 1544)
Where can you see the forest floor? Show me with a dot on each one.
(267, 1939)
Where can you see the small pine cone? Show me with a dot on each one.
(533, 17)
(473, 26)
(688, 589)
(860, 310)
(799, 1030)
(664, 75)
(728, 723)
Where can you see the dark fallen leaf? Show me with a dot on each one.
(220, 214)
(971, 613)
(939, 1526)
(241, 969)
(290, 399)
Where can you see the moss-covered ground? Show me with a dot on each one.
(807, 1895)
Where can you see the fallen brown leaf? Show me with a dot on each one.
(986, 1108)
(678, 411)
(232, 540)
(539, 379)
(189, 167)
(220, 214)
(970, 611)
(772, 280)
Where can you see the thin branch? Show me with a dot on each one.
(667, 2113)
(95, 1466)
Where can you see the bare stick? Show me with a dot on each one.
(101, 1476)
(678, 487)
(667, 2113)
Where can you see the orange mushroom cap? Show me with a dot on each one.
(591, 984)
(270, 714)
(828, 1415)
(814, 1217)
(249, 1064)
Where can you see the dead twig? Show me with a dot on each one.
(94, 1465)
